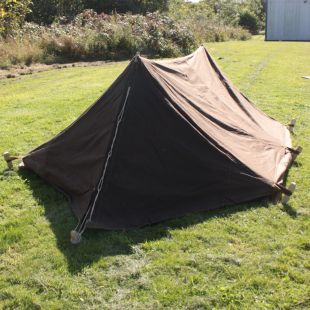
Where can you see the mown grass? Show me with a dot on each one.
(251, 256)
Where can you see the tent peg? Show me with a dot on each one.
(298, 150)
(286, 197)
(75, 237)
(8, 159)
(291, 125)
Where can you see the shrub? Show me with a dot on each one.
(210, 31)
(14, 52)
(92, 36)
(97, 46)
(209, 20)
(63, 48)
(249, 21)
(101, 36)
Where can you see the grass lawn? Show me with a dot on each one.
(251, 256)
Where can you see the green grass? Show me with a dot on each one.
(252, 256)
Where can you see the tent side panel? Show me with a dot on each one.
(73, 160)
(200, 92)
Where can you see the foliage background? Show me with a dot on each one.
(50, 31)
(14, 12)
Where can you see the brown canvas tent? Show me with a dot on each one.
(167, 138)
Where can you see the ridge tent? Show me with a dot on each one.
(167, 138)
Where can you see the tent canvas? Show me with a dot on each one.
(167, 138)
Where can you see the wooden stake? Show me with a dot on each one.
(75, 237)
(298, 151)
(7, 158)
(291, 125)
(291, 188)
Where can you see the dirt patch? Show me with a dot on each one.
(15, 71)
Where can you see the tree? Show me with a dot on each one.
(12, 15)
(249, 21)
(123, 6)
(45, 11)
(69, 8)
(258, 8)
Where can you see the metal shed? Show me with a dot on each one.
(288, 20)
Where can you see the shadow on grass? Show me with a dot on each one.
(287, 207)
(100, 243)
(290, 210)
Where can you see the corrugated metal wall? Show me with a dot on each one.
(288, 20)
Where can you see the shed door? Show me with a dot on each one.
(288, 20)
(304, 25)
